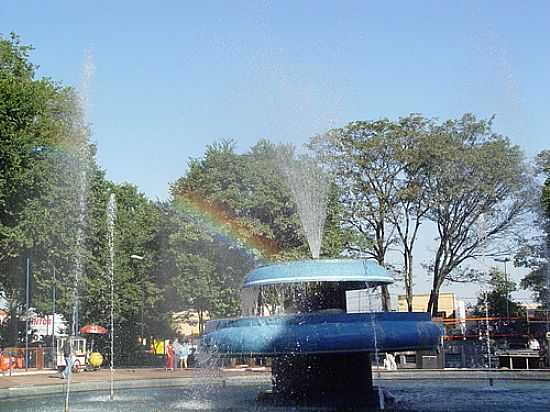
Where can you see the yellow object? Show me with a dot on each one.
(158, 347)
(95, 359)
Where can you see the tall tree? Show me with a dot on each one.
(535, 253)
(234, 207)
(411, 201)
(475, 181)
(245, 194)
(33, 115)
(366, 157)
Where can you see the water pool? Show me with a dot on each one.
(240, 395)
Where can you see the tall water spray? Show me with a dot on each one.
(546, 267)
(481, 233)
(546, 275)
(309, 184)
(81, 134)
(111, 215)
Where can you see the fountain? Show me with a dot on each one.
(320, 353)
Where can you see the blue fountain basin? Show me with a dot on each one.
(319, 270)
(321, 333)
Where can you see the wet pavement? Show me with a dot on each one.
(50, 377)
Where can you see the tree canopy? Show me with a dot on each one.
(535, 253)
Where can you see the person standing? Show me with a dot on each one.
(533, 343)
(184, 354)
(68, 355)
(170, 356)
(178, 351)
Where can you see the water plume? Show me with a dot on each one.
(309, 185)
(111, 216)
(80, 139)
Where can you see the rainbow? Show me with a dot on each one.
(220, 221)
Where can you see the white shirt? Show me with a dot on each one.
(534, 344)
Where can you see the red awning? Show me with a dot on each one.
(95, 329)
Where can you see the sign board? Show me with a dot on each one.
(43, 325)
(538, 315)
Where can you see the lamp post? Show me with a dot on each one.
(27, 308)
(505, 260)
(140, 258)
(54, 356)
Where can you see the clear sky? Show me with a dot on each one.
(173, 76)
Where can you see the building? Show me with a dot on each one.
(447, 303)
(186, 323)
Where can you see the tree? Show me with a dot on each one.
(245, 196)
(535, 254)
(497, 298)
(381, 176)
(411, 202)
(136, 222)
(367, 158)
(475, 179)
(236, 211)
(33, 115)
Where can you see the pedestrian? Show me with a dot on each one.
(177, 351)
(68, 355)
(184, 354)
(389, 362)
(170, 356)
(533, 343)
(191, 359)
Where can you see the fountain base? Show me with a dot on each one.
(324, 379)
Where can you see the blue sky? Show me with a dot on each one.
(173, 76)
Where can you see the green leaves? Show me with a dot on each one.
(394, 175)
(498, 298)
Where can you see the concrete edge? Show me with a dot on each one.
(30, 391)
(60, 388)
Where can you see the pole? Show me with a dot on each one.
(27, 303)
(53, 322)
(142, 325)
(487, 327)
(506, 291)
(142, 286)
(507, 295)
(112, 394)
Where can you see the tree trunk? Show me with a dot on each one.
(408, 280)
(380, 252)
(433, 302)
(201, 325)
(386, 301)
(13, 323)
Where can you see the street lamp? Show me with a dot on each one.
(505, 260)
(140, 258)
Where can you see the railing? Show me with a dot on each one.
(35, 358)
